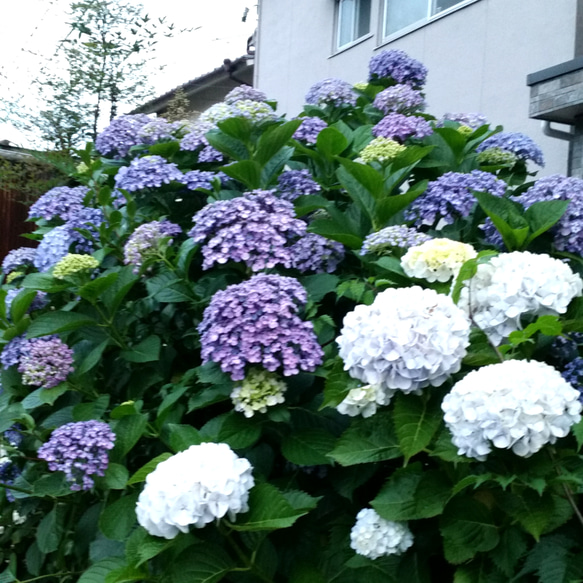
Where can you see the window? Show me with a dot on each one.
(402, 14)
(353, 21)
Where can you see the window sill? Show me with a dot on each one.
(352, 44)
(416, 26)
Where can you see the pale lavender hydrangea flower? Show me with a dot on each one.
(294, 183)
(209, 155)
(331, 91)
(53, 247)
(256, 322)
(14, 350)
(399, 99)
(61, 202)
(316, 254)
(309, 129)
(46, 363)
(450, 197)
(398, 65)
(519, 144)
(21, 257)
(398, 237)
(397, 126)
(80, 450)
(147, 172)
(244, 93)
(121, 134)
(472, 120)
(144, 243)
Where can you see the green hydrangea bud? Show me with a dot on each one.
(361, 85)
(258, 390)
(465, 130)
(73, 263)
(497, 157)
(12, 276)
(82, 167)
(381, 150)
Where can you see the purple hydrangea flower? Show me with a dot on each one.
(294, 183)
(519, 144)
(331, 91)
(80, 450)
(256, 322)
(39, 301)
(61, 202)
(200, 179)
(399, 99)
(397, 126)
(121, 134)
(14, 350)
(46, 362)
(472, 120)
(209, 155)
(23, 256)
(147, 172)
(53, 247)
(316, 254)
(398, 236)
(309, 129)
(87, 219)
(450, 197)
(244, 93)
(145, 242)
(398, 65)
(195, 138)
(573, 374)
(257, 229)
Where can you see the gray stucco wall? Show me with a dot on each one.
(478, 57)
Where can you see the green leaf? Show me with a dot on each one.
(238, 431)
(49, 396)
(206, 563)
(274, 139)
(532, 510)
(578, 433)
(114, 295)
(338, 383)
(116, 476)
(271, 510)
(389, 206)
(319, 285)
(247, 172)
(511, 548)
(236, 127)
(412, 494)
(93, 410)
(541, 216)
(118, 519)
(92, 290)
(181, 437)
(308, 447)
(467, 528)
(21, 303)
(93, 358)
(331, 142)
(52, 485)
(97, 573)
(416, 421)
(50, 530)
(359, 193)
(128, 431)
(228, 145)
(55, 322)
(146, 469)
(147, 350)
(43, 282)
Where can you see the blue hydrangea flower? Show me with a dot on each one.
(450, 197)
(257, 323)
(201, 179)
(244, 93)
(331, 91)
(9, 471)
(573, 374)
(21, 257)
(195, 138)
(399, 127)
(53, 247)
(209, 155)
(147, 172)
(121, 134)
(399, 99)
(398, 65)
(316, 254)
(61, 202)
(517, 143)
(309, 129)
(87, 219)
(565, 348)
(14, 435)
(294, 183)
(398, 237)
(13, 351)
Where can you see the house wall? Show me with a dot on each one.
(478, 57)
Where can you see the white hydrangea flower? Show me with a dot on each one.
(516, 284)
(196, 486)
(437, 259)
(363, 401)
(216, 113)
(409, 338)
(374, 537)
(260, 389)
(515, 404)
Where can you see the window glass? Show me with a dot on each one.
(441, 5)
(353, 20)
(400, 14)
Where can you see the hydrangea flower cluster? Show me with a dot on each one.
(38, 303)
(256, 322)
(53, 247)
(159, 129)
(74, 263)
(398, 65)
(331, 91)
(147, 172)
(363, 401)
(437, 260)
(515, 404)
(513, 285)
(257, 228)
(14, 350)
(21, 257)
(194, 487)
(244, 93)
(496, 157)
(87, 219)
(14, 435)
(309, 129)
(121, 134)
(399, 99)
(374, 537)
(80, 450)
(258, 390)
(407, 339)
(314, 253)
(399, 127)
(573, 374)
(195, 138)
(254, 111)
(450, 197)
(294, 183)
(46, 363)
(199, 179)
(216, 113)
(61, 202)
(145, 242)
(381, 150)
(391, 239)
(519, 144)
(471, 120)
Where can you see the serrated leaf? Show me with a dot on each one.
(274, 139)
(146, 469)
(319, 285)
(338, 383)
(308, 447)
(511, 548)
(181, 437)
(206, 563)
(247, 172)
(97, 573)
(531, 510)
(50, 530)
(238, 431)
(116, 476)
(331, 142)
(128, 431)
(147, 350)
(55, 322)
(541, 216)
(118, 519)
(92, 291)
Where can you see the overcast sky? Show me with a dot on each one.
(30, 31)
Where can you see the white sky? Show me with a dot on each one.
(30, 31)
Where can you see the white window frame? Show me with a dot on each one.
(355, 37)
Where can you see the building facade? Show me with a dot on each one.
(478, 53)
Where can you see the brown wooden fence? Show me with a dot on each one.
(12, 223)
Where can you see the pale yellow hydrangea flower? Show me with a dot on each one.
(381, 150)
(260, 389)
(73, 263)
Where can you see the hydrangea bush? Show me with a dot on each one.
(338, 348)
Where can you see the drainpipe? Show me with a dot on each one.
(552, 133)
